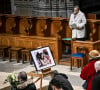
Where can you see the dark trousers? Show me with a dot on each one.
(79, 39)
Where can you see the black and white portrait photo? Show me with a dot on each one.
(42, 58)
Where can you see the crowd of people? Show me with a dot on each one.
(59, 81)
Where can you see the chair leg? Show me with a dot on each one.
(30, 59)
(71, 63)
(17, 57)
(3, 54)
(78, 63)
(82, 63)
(23, 58)
(10, 55)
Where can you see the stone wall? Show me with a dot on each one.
(49, 8)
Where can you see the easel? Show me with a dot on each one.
(44, 73)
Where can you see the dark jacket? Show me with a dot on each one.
(63, 79)
(96, 82)
(28, 85)
(88, 73)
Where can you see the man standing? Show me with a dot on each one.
(77, 24)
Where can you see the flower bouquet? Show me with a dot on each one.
(11, 78)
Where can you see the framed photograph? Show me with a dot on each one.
(42, 58)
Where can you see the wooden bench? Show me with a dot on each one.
(15, 52)
(26, 55)
(4, 52)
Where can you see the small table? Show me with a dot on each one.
(41, 75)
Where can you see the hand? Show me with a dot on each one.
(78, 28)
(73, 39)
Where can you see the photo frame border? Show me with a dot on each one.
(34, 61)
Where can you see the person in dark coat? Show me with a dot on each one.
(59, 81)
(96, 79)
(24, 83)
(88, 72)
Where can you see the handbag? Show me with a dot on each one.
(85, 84)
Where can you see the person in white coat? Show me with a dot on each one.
(77, 24)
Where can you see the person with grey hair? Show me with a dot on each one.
(77, 24)
(25, 84)
(96, 79)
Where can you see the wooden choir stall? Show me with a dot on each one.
(27, 32)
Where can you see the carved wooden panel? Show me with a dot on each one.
(66, 31)
(41, 26)
(93, 30)
(56, 26)
(2, 24)
(23, 26)
(32, 22)
(10, 25)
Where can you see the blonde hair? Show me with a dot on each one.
(94, 54)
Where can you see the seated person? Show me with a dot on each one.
(96, 80)
(59, 82)
(24, 83)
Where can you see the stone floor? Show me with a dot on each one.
(8, 67)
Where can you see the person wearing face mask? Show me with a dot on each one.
(77, 24)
